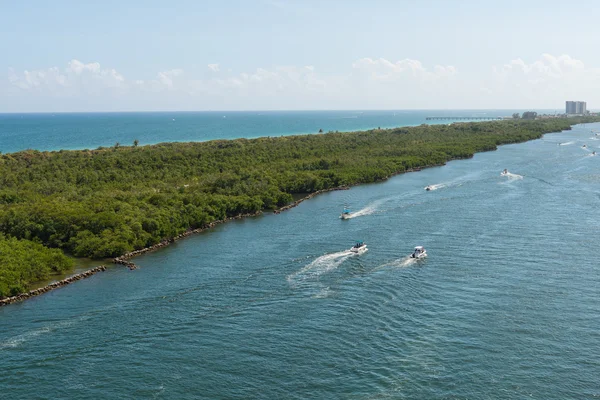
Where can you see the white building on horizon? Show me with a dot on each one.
(576, 107)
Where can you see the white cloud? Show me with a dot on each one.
(366, 83)
(76, 76)
(166, 77)
(546, 82)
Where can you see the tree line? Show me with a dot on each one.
(109, 201)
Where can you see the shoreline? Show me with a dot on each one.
(51, 286)
(125, 258)
(93, 148)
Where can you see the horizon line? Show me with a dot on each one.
(290, 110)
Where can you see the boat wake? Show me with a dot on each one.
(18, 340)
(365, 211)
(436, 186)
(566, 143)
(320, 266)
(368, 210)
(513, 177)
(403, 262)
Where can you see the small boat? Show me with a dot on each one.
(584, 147)
(504, 173)
(419, 252)
(428, 188)
(593, 153)
(359, 248)
(345, 214)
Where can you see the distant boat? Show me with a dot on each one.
(419, 252)
(428, 188)
(504, 173)
(345, 213)
(359, 248)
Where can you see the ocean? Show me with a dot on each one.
(70, 131)
(506, 304)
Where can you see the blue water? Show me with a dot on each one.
(507, 304)
(91, 130)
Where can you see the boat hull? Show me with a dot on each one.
(360, 250)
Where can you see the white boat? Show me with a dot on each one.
(359, 248)
(419, 252)
(504, 173)
(345, 214)
(428, 188)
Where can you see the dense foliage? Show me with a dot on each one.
(109, 201)
(23, 262)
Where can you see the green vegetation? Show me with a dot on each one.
(23, 262)
(109, 201)
(529, 115)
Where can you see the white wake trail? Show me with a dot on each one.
(513, 177)
(403, 262)
(368, 210)
(320, 265)
(438, 186)
(566, 143)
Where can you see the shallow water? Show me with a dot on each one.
(505, 306)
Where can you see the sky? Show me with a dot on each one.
(179, 55)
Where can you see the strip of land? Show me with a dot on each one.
(115, 202)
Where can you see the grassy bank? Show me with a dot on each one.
(107, 202)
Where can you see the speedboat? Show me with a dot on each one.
(505, 172)
(359, 248)
(428, 188)
(345, 214)
(593, 153)
(419, 252)
(584, 147)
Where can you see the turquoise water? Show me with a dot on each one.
(91, 130)
(506, 305)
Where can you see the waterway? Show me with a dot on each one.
(506, 305)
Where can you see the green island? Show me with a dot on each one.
(110, 201)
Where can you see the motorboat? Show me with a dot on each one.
(504, 173)
(419, 252)
(584, 147)
(593, 153)
(428, 188)
(345, 214)
(359, 248)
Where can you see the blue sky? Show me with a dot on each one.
(284, 54)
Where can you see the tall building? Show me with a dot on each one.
(576, 107)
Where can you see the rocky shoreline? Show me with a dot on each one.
(307, 197)
(52, 286)
(124, 259)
